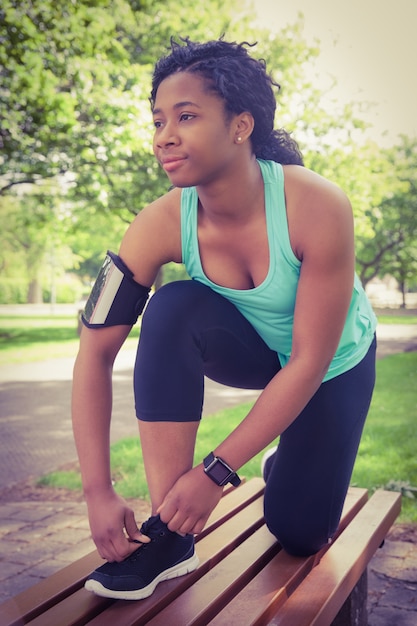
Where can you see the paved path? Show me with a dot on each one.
(40, 536)
(35, 426)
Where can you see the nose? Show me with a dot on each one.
(165, 136)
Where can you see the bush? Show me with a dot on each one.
(68, 290)
(13, 291)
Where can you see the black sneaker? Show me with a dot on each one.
(166, 556)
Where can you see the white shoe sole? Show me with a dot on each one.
(139, 594)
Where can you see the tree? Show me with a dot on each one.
(73, 102)
(74, 97)
(74, 107)
(75, 78)
(399, 217)
(388, 230)
(381, 184)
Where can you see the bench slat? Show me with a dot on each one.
(36, 600)
(243, 577)
(210, 549)
(267, 591)
(319, 597)
(207, 596)
(30, 603)
(201, 590)
(75, 610)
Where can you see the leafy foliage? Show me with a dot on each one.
(76, 131)
(390, 245)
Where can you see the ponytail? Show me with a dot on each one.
(280, 147)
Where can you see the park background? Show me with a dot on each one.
(76, 162)
(76, 165)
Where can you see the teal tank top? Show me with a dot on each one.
(269, 307)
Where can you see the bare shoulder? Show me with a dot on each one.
(154, 237)
(316, 208)
(305, 186)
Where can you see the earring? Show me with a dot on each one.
(239, 139)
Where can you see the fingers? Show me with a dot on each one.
(184, 523)
(119, 549)
(132, 529)
(116, 545)
(187, 526)
(114, 548)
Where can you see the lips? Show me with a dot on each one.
(172, 163)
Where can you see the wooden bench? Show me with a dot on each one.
(243, 577)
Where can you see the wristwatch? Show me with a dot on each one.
(219, 471)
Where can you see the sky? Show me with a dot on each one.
(368, 46)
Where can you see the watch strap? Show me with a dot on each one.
(230, 477)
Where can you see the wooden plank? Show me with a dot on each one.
(201, 602)
(135, 614)
(53, 590)
(233, 501)
(239, 569)
(268, 590)
(318, 599)
(211, 549)
(75, 610)
(32, 602)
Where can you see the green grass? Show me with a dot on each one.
(69, 480)
(397, 319)
(25, 339)
(387, 455)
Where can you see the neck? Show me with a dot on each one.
(236, 197)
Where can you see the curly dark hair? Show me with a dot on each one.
(242, 82)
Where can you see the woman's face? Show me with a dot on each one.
(193, 141)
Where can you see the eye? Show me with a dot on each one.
(184, 117)
(157, 123)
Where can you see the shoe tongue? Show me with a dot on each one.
(153, 527)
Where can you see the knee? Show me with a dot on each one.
(298, 536)
(168, 306)
(176, 298)
(176, 314)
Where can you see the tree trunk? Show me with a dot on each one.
(403, 290)
(34, 292)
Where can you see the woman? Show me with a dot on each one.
(274, 304)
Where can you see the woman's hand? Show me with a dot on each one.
(113, 525)
(187, 506)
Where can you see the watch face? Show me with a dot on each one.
(219, 472)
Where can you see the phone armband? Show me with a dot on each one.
(116, 298)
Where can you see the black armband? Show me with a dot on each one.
(116, 298)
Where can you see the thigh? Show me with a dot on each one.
(311, 472)
(188, 332)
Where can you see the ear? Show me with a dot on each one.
(244, 124)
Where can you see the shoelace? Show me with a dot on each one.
(153, 528)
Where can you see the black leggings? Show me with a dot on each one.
(188, 332)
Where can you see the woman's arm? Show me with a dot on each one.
(151, 240)
(91, 411)
(321, 233)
